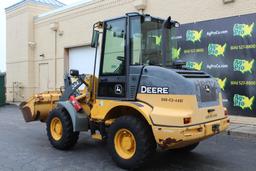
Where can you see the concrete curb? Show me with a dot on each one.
(14, 103)
(244, 127)
(241, 134)
(242, 130)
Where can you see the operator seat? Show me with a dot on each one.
(152, 52)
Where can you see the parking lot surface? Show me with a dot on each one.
(25, 146)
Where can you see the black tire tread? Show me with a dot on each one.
(69, 138)
(143, 135)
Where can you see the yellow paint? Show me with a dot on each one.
(168, 114)
(56, 128)
(171, 113)
(186, 135)
(102, 107)
(109, 122)
(163, 112)
(97, 136)
(42, 102)
(125, 143)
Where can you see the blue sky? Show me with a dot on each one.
(3, 5)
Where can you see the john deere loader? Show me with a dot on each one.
(140, 100)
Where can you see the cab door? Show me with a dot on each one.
(113, 69)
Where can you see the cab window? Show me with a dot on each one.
(114, 51)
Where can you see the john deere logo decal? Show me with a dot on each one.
(176, 53)
(243, 30)
(216, 49)
(222, 83)
(243, 101)
(194, 35)
(194, 65)
(243, 65)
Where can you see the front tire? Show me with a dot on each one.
(130, 142)
(60, 129)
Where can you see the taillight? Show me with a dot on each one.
(186, 120)
(226, 111)
(75, 103)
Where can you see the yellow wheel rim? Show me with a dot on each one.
(56, 129)
(125, 143)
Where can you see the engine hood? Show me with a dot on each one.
(159, 80)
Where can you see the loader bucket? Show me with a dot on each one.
(38, 106)
(27, 109)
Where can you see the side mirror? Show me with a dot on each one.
(95, 38)
(74, 73)
(176, 24)
(168, 23)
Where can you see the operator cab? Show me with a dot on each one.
(128, 44)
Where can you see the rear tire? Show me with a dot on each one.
(130, 142)
(186, 149)
(60, 129)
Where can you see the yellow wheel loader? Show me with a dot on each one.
(141, 98)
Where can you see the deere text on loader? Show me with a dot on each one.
(141, 98)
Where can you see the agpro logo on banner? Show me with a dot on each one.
(243, 30)
(243, 65)
(216, 49)
(243, 101)
(158, 40)
(176, 53)
(194, 35)
(194, 65)
(222, 83)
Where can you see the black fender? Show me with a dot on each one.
(80, 120)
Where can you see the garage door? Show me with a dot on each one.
(82, 59)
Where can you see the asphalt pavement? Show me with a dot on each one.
(25, 147)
